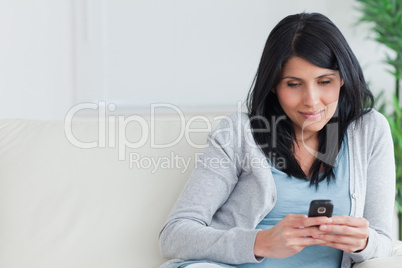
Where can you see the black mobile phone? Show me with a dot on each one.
(321, 208)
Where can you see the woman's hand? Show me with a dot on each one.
(345, 233)
(290, 236)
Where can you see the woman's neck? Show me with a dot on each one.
(306, 147)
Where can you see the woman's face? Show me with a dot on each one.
(308, 94)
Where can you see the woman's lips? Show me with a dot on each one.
(312, 115)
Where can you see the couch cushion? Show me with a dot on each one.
(63, 205)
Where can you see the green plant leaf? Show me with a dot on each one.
(384, 18)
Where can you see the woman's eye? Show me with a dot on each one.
(293, 84)
(325, 82)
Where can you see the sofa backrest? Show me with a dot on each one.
(89, 193)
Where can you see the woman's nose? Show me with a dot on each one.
(311, 96)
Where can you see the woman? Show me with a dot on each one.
(312, 138)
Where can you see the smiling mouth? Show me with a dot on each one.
(312, 115)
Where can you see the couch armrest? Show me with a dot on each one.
(390, 262)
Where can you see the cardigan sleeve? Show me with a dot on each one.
(380, 189)
(187, 233)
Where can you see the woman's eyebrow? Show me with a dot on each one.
(291, 77)
(297, 78)
(328, 74)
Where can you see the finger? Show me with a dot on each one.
(343, 242)
(337, 238)
(302, 221)
(314, 221)
(358, 232)
(306, 241)
(344, 247)
(294, 220)
(350, 221)
(308, 232)
(350, 243)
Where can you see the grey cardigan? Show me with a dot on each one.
(232, 189)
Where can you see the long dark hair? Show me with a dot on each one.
(314, 38)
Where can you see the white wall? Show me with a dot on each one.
(194, 54)
(35, 58)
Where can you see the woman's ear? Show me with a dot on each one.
(273, 90)
(342, 82)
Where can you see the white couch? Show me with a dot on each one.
(74, 194)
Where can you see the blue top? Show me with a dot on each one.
(294, 197)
